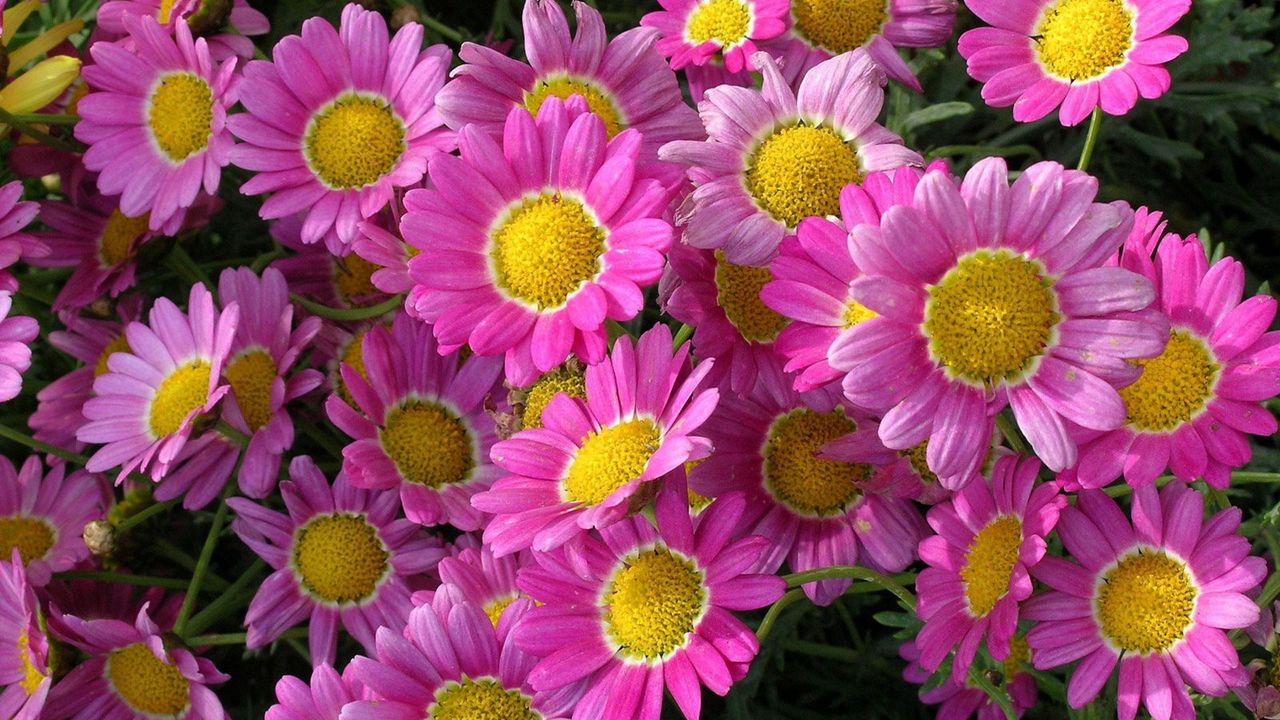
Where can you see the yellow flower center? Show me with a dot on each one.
(988, 563)
(1145, 602)
(839, 26)
(652, 603)
(32, 676)
(147, 685)
(165, 13)
(571, 382)
(855, 313)
(1083, 39)
(599, 101)
(610, 459)
(354, 142)
(480, 699)
(990, 317)
(496, 607)
(1019, 655)
(545, 249)
(726, 22)
(118, 344)
(31, 536)
(118, 235)
(251, 376)
(918, 457)
(185, 390)
(799, 171)
(181, 115)
(429, 443)
(797, 477)
(340, 558)
(352, 279)
(1173, 387)
(738, 293)
(353, 355)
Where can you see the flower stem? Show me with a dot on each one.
(1090, 140)
(39, 119)
(362, 313)
(25, 439)
(441, 28)
(1001, 698)
(231, 599)
(854, 573)
(683, 334)
(16, 122)
(238, 638)
(1009, 429)
(771, 616)
(119, 579)
(206, 554)
(146, 514)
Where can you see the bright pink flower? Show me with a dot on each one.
(15, 214)
(242, 23)
(697, 32)
(42, 515)
(960, 700)
(16, 336)
(25, 675)
(323, 698)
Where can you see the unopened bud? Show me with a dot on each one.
(404, 15)
(100, 537)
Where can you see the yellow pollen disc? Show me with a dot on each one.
(251, 376)
(797, 477)
(339, 557)
(480, 699)
(352, 279)
(610, 459)
(147, 685)
(181, 115)
(119, 344)
(855, 313)
(32, 676)
(353, 355)
(839, 26)
(495, 608)
(563, 379)
(1144, 603)
(697, 501)
(1173, 387)
(990, 317)
(799, 171)
(917, 456)
(1019, 655)
(1083, 39)
(738, 293)
(599, 101)
(118, 235)
(31, 536)
(186, 389)
(988, 564)
(545, 249)
(725, 22)
(652, 603)
(165, 13)
(429, 444)
(354, 142)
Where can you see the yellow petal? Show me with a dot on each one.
(15, 16)
(42, 44)
(40, 85)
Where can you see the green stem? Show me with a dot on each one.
(1090, 140)
(1000, 697)
(166, 549)
(684, 333)
(238, 638)
(348, 314)
(146, 514)
(1009, 429)
(184, 265)
(38, 119)
(119, 579)
(25, 439)
(853, 573)
(321, 438)
(232, 434)
(441, 28)
(231, 599)
(1254, 477)
(825, 651)
(14, 121)
(206, 554)
(771, 616)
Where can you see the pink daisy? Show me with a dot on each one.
(1080, 54)
(16, 336)
(341, 554)
(528, 248)
(132, 672)
(1154, 597)
(811, 278)
(989, 293)
(648, 608)
(960, 700)
(586, 466)
(451, 661)
(43, 515)
(820, 29)
(25, 675)
(339, 121)
(155, 119)
(145, 406)
(322, 699)
(15, 214)
(344, 280)
(418, 424)
(702, 78)
(817, 512)
(990, 536)
(774, 157)
(1193, 406)
(237, 23)
(389, 254)
(731, 325)
(696, 31)
(624, 81)
(487, 581)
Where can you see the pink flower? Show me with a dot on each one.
(25, 672)
(42, 515)
(696, 32)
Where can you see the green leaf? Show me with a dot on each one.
(936, 113)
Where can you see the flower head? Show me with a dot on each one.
(697, 32)
(959, 700)
(16, 335)
(323, 698)
(43, 514)
(15, 214)
(25, 675)
(206, 18)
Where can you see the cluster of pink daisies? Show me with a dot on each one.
(589, 375)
